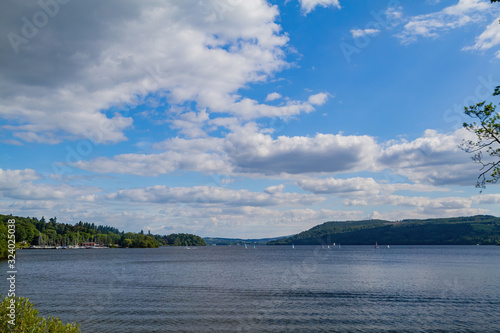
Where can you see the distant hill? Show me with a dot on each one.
(239, 241)
(480, 229)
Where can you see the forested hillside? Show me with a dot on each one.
(34, 231)
(481, 229)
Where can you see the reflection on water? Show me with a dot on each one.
(267, 289)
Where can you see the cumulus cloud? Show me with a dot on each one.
(12, 179)
(260, 153)
(318, 99)
(249, 109)
(434, 158)
(156, 164)
(273, 96)
(91, 58)
(191, 123)
(205, 195)
(19, 185)
(247, 151)
(274, 189)
(360, 187)
(486, 199)
(308, 6)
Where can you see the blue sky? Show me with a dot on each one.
(241, 118)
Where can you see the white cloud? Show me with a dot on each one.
(88, 62)
(19, 185)
(489, 38)
(156, 164)
(486, 199)
(246, 151)
(275, 189)
(273, 96)
(423, 202)
(356, 33)
(191, 123)
(452, 17)
(308, 6)
(434, 159)
(360, 187)
(205, 195)
(248, 109)
(425, 207)
(318, 99)
(260, 153)
(12, 179)
(394, 15)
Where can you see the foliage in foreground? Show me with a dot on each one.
(27, 319)
(486, 128)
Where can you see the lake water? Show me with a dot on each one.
(266, 289)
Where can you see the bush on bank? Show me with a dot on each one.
(26, 318)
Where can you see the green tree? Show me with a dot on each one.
(486, 127)
(3, 241)
(27, 320)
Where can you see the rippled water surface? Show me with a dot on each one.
(266, 289)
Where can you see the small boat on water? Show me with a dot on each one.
(388, 246)
(293, 246)
(376, 245)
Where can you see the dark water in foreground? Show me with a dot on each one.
(267, 289)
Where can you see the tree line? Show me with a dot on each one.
(34, 231)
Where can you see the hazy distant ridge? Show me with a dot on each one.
(239, 241)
